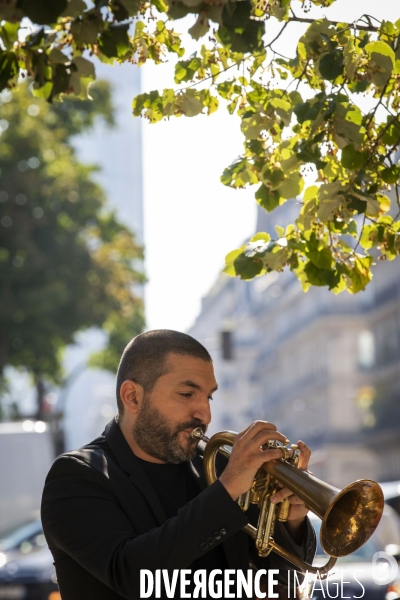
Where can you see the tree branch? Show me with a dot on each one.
(294, 18)
(277, 36)
(377, 106)
(359, 237)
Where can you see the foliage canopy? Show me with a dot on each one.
(66, 264)
(305, 133)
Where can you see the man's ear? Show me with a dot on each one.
(132, 396)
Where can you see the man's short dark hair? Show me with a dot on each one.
(144, 359)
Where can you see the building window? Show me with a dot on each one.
(366, 349)
(227, 345)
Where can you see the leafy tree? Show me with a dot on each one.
(297, 113)
(66, 263)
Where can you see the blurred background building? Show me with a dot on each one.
(323, 368)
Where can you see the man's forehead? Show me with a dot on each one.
(184, 367)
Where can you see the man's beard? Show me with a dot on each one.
(156, 436)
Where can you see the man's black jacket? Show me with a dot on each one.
(103, 522)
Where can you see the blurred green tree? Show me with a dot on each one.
(66, 263)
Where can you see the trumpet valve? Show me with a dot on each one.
(283, 510)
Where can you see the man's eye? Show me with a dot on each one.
(186, 394)
(210, 398)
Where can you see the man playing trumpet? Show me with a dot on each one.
(135, 498)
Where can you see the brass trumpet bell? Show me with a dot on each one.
(349, 516)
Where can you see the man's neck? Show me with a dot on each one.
(126, 430)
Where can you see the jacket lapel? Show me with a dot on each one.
(130, 464)
(236, 553)
(235, 548)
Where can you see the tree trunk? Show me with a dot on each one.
(40, 399)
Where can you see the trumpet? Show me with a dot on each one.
(349, 516)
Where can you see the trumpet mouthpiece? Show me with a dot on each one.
(197, 434)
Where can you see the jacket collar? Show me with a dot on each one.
(131, 465)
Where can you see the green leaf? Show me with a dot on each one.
(310, 193)
(247, 268)
(369, 236)
(85, 30)
(8, 68)
(132, 7)
(352, 158)
(307, 111)
(190, 104)
(185, 70)
(283, 109)
(322, 258)
(200, 28)
(321, 277)
(61, 78)
(160, 5)
(267, 198)
(273, 176)
(392, 133)
(229, 261)
(330, 199)
(57, 56)
(363, 202)
(391, 174)
(292, 186)
(356, 203)
(262, 235)
(74, 8)
(308, 214)
(238, 31)
(360, 275)
(383, 59)
(42, 12)
(114, 41)
(82, 76)
(9, 34)
(254, 123)
(331, 65)
(276, 258)
(384, 202)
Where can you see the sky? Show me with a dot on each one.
(191, 220)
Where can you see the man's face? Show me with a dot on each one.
(178, 402)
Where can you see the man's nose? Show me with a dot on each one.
(202, 411)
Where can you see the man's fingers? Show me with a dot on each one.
(247, 434)
(296, 501)
(256, 426)
(286, 493)
(281, 495)
(304, 457)
(266, 435)
(266, 455)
